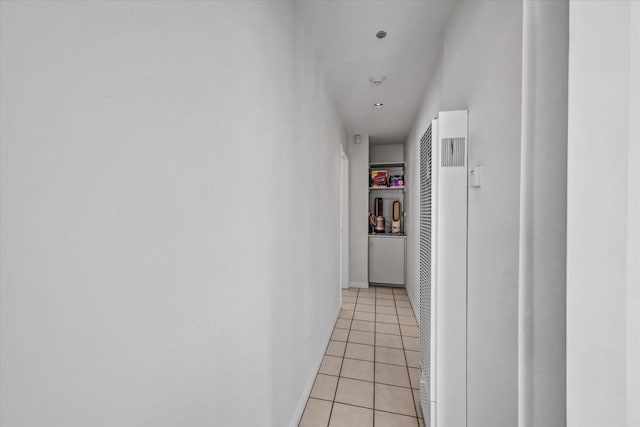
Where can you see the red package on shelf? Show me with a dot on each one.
(379, 178)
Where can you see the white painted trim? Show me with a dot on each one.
(306, 392)
(359, 285)
(449, 234)
(344, 219)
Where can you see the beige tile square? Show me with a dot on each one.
(330, 365)
(363, 325)
(386, 419)
(410, 343)
(383, 290)
(350, 291)
(416, 400)
(316, 413)
(355, 392)
(386, 340)
(340, 334)
(351, 416)
(414, 377)
(405, 311)
(348, 306)
(366, 300)
(420, 422)
(409, 331)
(381, 309)
(407, 320)
(324, 387)
(336, 348)
(366, 308)
(392, 356)
(367, 293)
(386, 302)
(384, 296)
(401, 298)
(395, 399)
(359, 351)
(361, 337)
(343, 323)
(346, 314)
(392, 374)
(403, 304)
(399, 291)
(357, 369)
(347, 298)
(387, 318)
(360, 315)
(387, 328)
(412, 358)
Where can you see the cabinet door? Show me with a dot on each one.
(386, 260)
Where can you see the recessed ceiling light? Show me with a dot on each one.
(381, 34)
(378, 105)
(377, 80)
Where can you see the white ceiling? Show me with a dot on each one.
(344, 33)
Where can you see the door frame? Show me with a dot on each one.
(344, 219)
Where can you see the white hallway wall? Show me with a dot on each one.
(306, 291)
(633, 224)
(386, 153)
(481, 71)
(543, 219)
(603, 215)
(358, 211)
(430, 107)
(159, 188)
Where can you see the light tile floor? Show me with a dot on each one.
(369, 374)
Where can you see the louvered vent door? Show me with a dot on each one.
(425, 271)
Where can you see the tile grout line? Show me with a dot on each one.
(335, 393)
(404, 351)
(365, 360)
(318, 373)
(367, 381)
(375, 346)
(375, 316)
(406, 366)
(345, 346)
(364, 407)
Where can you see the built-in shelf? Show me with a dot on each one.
(387, 165)
(387, 251)
(387, 188)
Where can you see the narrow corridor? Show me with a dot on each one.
(369, 374)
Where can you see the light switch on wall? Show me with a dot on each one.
(475, 177)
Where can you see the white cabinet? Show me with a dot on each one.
(387, 259)
(387, 251)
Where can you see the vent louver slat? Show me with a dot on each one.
(452, 152)
(425, 271)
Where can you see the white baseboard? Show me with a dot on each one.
(297, 415)
(358, 285)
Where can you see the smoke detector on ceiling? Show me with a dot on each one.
(381, 34)
(378, 105)
(377, 80)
